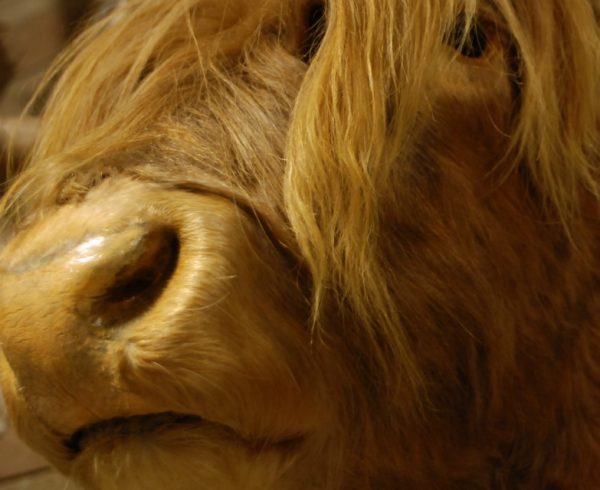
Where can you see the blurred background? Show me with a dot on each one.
(32, 33)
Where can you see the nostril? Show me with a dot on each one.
(149, 272)
(140, 281)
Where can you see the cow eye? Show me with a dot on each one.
(315, 29)
(468, 39)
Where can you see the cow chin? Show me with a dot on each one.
(158, 345)
(187, 458)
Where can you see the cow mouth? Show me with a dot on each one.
(128, 426)
(140, 425)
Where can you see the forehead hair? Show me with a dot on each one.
(374, 61)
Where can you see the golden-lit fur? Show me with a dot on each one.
(407, 291)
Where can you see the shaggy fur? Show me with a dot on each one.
(419, 304)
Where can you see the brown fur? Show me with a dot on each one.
(6, 66)
(406, 293)
(6, 71)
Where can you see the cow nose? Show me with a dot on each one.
(125, 273)
(83, 285)
(143, 299)
(75, 284)
(107, 276)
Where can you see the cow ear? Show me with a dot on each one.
(17, 137)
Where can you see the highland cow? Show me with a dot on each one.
(298, 245)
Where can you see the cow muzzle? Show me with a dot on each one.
(142, 302)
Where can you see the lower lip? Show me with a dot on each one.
(123, 426)
(147, 425)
